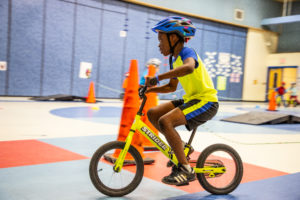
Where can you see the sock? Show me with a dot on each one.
(187, 167)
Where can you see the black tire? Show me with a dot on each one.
(98, 176)
(232, 157)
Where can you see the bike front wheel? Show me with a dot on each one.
(220, 155)
(106, 179)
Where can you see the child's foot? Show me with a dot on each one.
(179, 176)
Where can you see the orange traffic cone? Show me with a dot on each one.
(130, 108)
(272, 102)
(91, 95)
(151, 102)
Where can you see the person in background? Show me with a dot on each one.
(124, 85)
(280, 94)
(153, 61)
(293, 94)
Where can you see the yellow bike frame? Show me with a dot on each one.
(142, 128)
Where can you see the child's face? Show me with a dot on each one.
(163, 44)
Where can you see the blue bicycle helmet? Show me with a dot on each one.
(175, 24)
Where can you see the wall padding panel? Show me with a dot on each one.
(25, 48)
(112, 54)
(87, 45)
(4, 28)
(57, 72)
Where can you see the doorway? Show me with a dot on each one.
(277, 75)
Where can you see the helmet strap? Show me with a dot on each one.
(172, 48)
(170, 45)
(170, 61)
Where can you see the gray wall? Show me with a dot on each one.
(289, 39)
(255, 12)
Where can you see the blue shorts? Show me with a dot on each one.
(196, 112)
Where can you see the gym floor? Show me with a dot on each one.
(46, 146)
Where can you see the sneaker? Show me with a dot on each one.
(179, 176)
(171, 164)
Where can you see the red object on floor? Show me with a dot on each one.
(32, 152)
(158, 170)
(91, 94)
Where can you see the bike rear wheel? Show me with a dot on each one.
(109, 182)
(219, 155)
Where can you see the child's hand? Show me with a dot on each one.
(151, 81)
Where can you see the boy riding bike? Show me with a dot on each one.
(199, 104)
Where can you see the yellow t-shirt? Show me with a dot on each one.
(198, 84)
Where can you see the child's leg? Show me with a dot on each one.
(167, 124)
(283, 100)
(156, 112)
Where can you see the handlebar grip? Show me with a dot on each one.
(142, 91)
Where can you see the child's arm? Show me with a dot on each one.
(169, 87)
(187, 68)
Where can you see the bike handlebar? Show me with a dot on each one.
(144, 97)
(142, 91)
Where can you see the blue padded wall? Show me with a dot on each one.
(196, 42)
(224, 45)
(59, 46)
(112, 50)
(238, 48)
(4, 17)
(209, 45)
(45, 42)
(223, 51)
(152, 49)
(87, 42)
(136, 42)
(25, 47)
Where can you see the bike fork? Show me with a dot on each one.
(120, 160)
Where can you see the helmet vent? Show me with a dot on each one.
(185, 24)
(185, 30)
